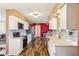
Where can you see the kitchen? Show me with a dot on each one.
(17, 30)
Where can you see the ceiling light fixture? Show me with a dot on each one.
(35, 14)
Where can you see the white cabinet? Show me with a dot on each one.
(29, 38)
(37, 31)
(2, 21)
(15, 46)
(2, 15)
(13, 23)
(3, 51)
(53, 23)
(26, 25)
(2, 27)
(63, 17)
(68, 16)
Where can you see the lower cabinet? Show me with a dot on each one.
(15, 46)
(2, 49)
(29, 38)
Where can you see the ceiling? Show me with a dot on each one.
(27, 8)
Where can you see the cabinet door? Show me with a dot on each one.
(63, 17)
(29, 38)
(2, 27)
(68, 16)
(15, 46)
(13, 23)
(53, 23)
(26, 25)
(37, 30)
(2, 21)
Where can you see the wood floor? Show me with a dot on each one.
(35, 48)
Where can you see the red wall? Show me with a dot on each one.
(44, 27)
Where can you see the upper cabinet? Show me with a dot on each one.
(2, 21)
(68, 16)
(26, 25)
(53, 23)
(2, 15)
(63, 17)
(13, 23)
(17, 23)
(72, 16)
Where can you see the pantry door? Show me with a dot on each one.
(37, 30)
